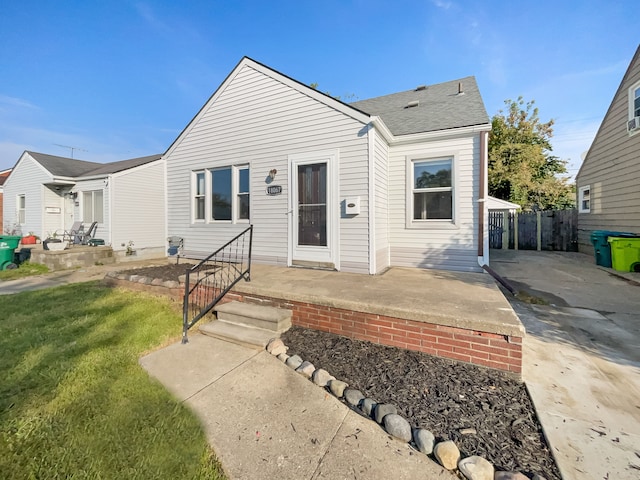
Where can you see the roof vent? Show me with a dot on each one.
(413, 103)
(421, 87)
(460, 91)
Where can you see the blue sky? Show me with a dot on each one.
(120, 79)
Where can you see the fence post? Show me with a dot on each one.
(505, 229)
(515, 231)
(538, 230)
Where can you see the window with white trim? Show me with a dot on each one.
(633, 124)
(93, 206)
(21, 213)
(584, 199)
(199, 196)
(431, 190)
(221, 194)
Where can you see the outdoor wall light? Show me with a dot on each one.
(272, 173)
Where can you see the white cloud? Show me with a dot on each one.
(442, 4)
(151, 18)
(16, 102)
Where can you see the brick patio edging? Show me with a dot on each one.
(502, 352)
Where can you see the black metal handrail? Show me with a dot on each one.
(210, 280)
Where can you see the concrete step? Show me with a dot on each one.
(240, 334)
(264, 317)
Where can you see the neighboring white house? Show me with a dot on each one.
(398, 180)
(498, 205)
(46, 194)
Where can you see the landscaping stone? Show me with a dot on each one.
(321, 377)
(306, 369)
(447, 454)
(538, 477)
(367, 406)
(424, 440)
(337, 387)
(397, 427)
(513, 476)
(276, 347)
(383, 409)
(294, 361)
(283, 357)
(476, 468)
(353, 396)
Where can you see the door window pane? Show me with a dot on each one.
(312, 206)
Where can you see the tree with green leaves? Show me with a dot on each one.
(521, 167)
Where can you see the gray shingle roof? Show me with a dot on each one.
(69, 167)
(439, 107)
(63, 166)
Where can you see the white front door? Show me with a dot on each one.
(314, 210)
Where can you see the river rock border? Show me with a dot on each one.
(446, 453)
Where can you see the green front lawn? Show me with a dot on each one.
(24, 270)
(75, 404)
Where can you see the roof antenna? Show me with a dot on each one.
(72, 148)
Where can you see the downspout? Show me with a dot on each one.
(483, 256)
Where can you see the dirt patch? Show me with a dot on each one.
(451, 399)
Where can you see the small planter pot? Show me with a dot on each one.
(29, 240)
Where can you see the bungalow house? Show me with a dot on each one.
(608, 183)
(3, 177)
(398, 180)
(46, 194)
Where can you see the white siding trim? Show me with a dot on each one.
(371, 133)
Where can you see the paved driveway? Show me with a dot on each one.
(581, 358)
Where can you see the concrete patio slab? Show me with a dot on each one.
(581, 360)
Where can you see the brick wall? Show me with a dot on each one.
(481, 348)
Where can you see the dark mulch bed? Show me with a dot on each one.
(171, 271)
(440, 395)
(443, 396)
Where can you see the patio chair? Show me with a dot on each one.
(74, 233)
(84, 237)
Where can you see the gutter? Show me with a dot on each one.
(483, 251)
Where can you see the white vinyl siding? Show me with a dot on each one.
(611, 169)
(26, 179)
(138, 213)
(381, 154)
(441, 244)
(259, 121)
(53, 211)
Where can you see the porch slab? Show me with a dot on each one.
(469, 301)
(462, 316)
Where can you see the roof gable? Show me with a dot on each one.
(630, 77)
(336, 104)
(442, 106)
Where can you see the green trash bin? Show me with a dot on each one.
(625, 254)
(8, 244)
(601, 246)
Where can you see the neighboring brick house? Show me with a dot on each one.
(3, 176)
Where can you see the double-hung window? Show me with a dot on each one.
(199, 196)
(93, 206)
(432, 190)
(633, 124)
(221, 194)
(22, 209)
(584, 199)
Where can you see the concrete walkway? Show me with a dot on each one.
(264, 420)
(581, 359)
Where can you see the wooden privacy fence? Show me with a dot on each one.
(547, 230)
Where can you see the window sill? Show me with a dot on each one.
(432, 225)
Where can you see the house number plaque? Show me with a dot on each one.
(274, 190)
